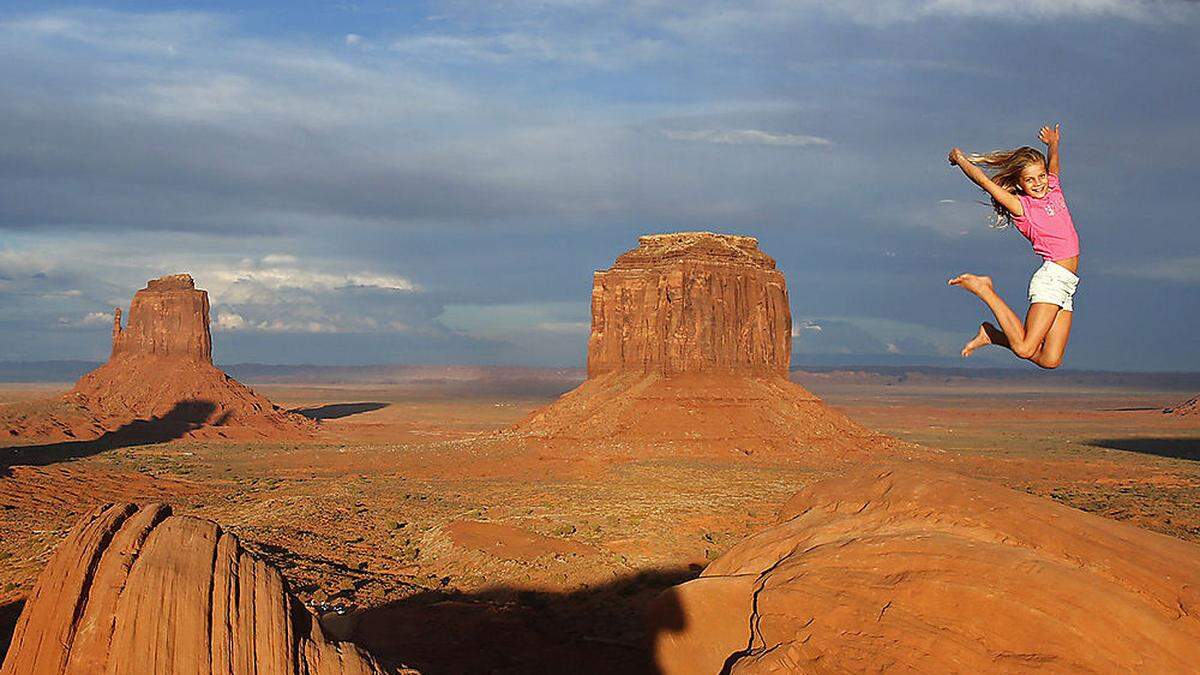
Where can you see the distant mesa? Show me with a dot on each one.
(1187, 408)
(161, 364)
(138, 590)
(927, 571)
(168, 319)
(689, 351)
(691, 302)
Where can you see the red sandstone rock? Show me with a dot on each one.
(689, 351)
(136, 590)
(167, 319)
(690, 302)
(926, 571)
(160, 373)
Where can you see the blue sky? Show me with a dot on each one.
(362, 182)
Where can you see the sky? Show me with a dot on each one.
(369, 182)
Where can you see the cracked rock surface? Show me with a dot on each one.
(931, 571)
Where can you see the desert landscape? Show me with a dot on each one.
(689, 503)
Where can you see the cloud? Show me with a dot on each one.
(89, 319)
(353, 39)
(604, 51)
(747, 137)
(229, 321)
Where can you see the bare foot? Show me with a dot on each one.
(976, 342)
(972, 282)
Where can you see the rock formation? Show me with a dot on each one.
(936, 572)
(167, 319)
(692, 302)
(160, 374)
(1188, 407)
(689, 351)
(138, 590)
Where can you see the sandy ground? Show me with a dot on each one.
(417, 547)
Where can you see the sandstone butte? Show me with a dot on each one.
(160, 371)
(689, 352)
(136, 590)
(927, 571)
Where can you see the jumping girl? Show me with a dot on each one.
(1026, 193)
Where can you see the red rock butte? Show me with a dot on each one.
(159, 381)
(689, 350)
(167, 319)
(691, 302)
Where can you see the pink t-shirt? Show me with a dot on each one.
(1047, 223)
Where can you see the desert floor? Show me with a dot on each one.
(421, 547)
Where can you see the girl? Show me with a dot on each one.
(1025, 192)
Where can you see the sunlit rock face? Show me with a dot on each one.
(134, 589)
(690, 302)
(920, 570)
(167, 319)
(689, 354)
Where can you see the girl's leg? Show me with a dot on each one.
(1055, 344)
(1024, 340)
(981, 286)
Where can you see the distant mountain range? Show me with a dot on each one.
(542, 381)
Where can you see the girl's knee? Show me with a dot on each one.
(1048, 361)
(1025, 351)
(1052, 362)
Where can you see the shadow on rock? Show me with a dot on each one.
(601, 629)
(1178, 448)
(9, 613)
(186, 416)
(335, 411)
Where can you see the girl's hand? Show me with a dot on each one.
(1049, 136)
(956, 156)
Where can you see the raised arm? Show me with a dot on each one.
(1050, 137)
(1005, 198)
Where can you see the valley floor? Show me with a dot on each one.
(425, 548)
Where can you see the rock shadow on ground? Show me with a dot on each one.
(508, 629)
(1175, 448)
(184, 417)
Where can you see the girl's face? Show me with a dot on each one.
(1034, 181)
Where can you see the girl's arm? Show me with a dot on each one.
(1005, 198)
(1050, 138)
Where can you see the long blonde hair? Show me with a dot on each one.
(1008, 165)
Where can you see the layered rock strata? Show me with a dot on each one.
(690, 302)
(923, 571)
(689, 352)
(137, 590)
(160, 379)
(168, 319)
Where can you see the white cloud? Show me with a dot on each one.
(353, 39)
(229, 321)
(96, 319)
(567, 327)
(251, 279)
(746, 137)
(604, 51)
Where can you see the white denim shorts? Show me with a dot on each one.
(1054, 284)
